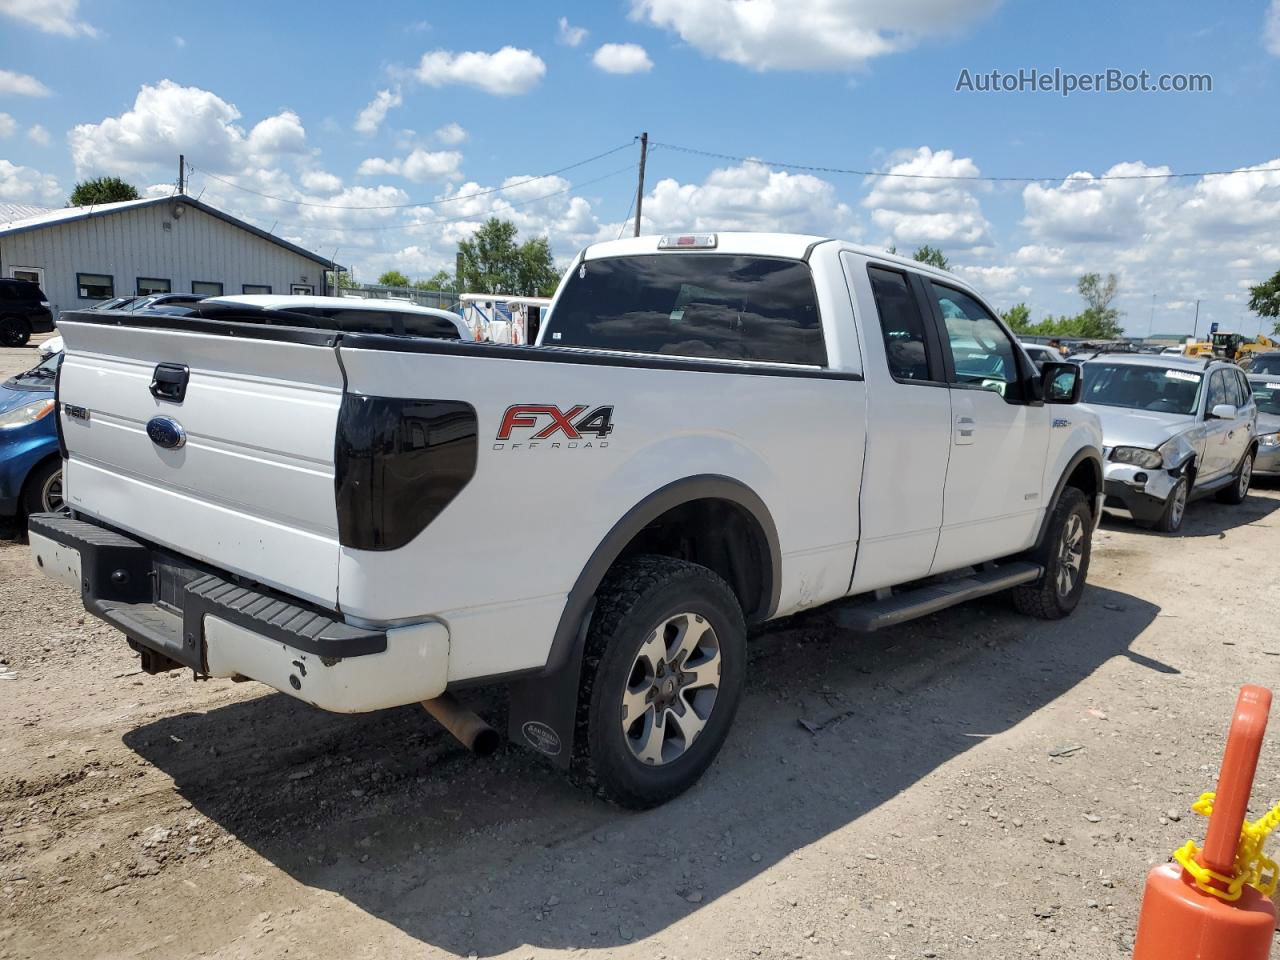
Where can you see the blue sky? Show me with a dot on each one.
(482, 95)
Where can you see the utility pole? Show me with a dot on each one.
(644, 151)
(182, 173)
(1195, 329)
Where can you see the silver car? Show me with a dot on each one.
(1173, 429)
(1266, 394)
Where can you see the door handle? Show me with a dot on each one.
(965, 429)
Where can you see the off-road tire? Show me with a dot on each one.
(1238, 490)
(635, 598)
(1042, 598)
(14, 332)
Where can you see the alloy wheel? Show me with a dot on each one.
(51, 493)
(1246, 477)
(672, 689)
(1071, 555)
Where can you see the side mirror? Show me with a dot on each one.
(1223, 411)
(1061, 382)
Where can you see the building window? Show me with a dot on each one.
(255, 288)
(96, 286)
(149, 285)
(206, 288)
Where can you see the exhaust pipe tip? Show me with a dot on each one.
(465, 725)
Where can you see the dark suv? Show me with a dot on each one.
(23, 311)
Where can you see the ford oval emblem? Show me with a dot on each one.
(166, 432)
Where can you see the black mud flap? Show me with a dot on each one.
(544, 708)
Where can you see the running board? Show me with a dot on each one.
(910, 604)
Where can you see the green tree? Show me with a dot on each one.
(492, 262)
(1264, 300)
(932, 256)
(1099, 319)
(441, 280)
(393, 278)
(101, 190)
(536, 275)
(1018, 317)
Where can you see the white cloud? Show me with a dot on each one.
(505, 73)
(371, 117)
(451, 134)
(569, 35)
(25, 185)
(419, 166)
(320, 181)
(21, 85)
(807, 34)
(179, 42)
(942, 213)
(1271, 29)
(38, 135)
(167, 119)
(8, 126)
(282, 133)
(749, 196)
(1083, 208)
(48, 16)
(622, 58)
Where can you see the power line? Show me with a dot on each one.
(431, 223)
(931, 176)
(417, 203)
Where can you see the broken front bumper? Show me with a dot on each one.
(1138, 491)
(179, 613)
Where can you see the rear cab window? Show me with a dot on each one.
(699, 306)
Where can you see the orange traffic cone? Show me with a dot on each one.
(1214, 904)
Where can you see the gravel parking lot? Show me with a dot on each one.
(975, 784)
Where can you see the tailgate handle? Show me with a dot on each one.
(169, 382)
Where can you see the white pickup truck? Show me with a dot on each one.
(714, 431)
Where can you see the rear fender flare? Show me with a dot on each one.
(544, 705)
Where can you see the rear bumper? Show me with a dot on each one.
(41, 322)
(175, 612)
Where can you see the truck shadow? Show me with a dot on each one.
(483, 857)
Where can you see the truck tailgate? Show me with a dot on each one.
(250, 486)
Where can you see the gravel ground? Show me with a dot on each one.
(975, 784)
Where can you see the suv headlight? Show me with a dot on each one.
(1269, 440)
(1138, 456)
(25, 414)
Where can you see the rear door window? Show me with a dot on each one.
(902, 325)
(719, 306)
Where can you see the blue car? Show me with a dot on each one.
(30, 466)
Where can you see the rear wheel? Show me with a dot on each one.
(14, 332)
(662, 676)
(1065, 556)
(42, 493)
(1238, 491)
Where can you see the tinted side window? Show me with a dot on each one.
(385, 321)
(722, 306)
(981, 351)
(1242, 385)
(901, 325)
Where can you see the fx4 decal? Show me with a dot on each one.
(535, 422)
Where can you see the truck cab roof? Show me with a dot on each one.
(794, 246)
